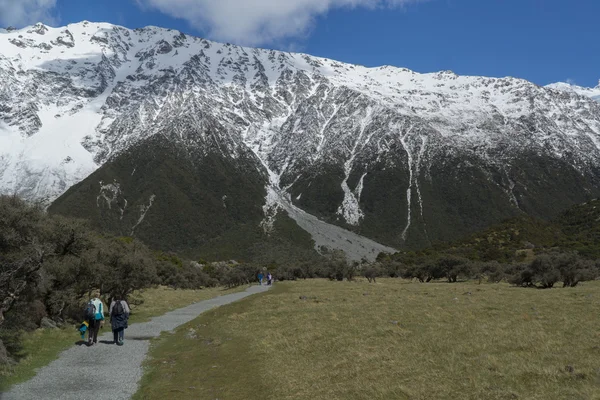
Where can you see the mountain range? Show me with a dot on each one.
(196, 146)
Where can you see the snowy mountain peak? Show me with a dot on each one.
(73, 97)
(593, 93)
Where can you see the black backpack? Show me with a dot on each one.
(118, 308)
(89, 314)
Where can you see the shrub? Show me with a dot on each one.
(549, 268)
(543, 271)
(452, 267)
(234, 277)
(493, 270)
(574, 269)
(291, 272)
(393, 269)
(372, 272)
(337, 268)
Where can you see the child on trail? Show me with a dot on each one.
(94, 315)
(119, 317)
(260, 278)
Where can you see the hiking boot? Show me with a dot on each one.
(120, 343)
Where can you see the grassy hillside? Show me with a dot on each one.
(581, 226)
(576, 229)
(391, 340)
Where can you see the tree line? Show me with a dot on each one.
(50, 264)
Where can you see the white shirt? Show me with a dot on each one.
(99, 306)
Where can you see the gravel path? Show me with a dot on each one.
(107, 371)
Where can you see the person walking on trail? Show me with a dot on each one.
(94, 315)
(260, 278)
(269, 279)
(119, 317)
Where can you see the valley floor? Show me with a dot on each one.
(391, 340)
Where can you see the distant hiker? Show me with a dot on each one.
(94, 315)
(269, 279)
(119, 316)
(260, 278)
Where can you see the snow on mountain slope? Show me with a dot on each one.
(73, 97)
(594, 93)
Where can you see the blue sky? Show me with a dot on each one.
(540, 40)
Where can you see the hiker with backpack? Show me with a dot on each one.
(119, 316)
(94, 316)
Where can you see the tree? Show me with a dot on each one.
(452, 267)
(544, 271)
(574, 269)
(29, 240)
(125, 267)
(393, 269)
(336, 267)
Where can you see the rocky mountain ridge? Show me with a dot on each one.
(404, 158)
(593, 93)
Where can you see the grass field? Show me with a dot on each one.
(43, 346)
(391, 340)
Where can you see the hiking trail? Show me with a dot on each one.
(105, 370)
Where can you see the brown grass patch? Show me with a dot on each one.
(391, 340)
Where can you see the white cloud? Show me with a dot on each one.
(255, 22)
(19, 13)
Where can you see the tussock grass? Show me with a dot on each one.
(44, 345)
(391, 340)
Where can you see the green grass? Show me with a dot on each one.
(391, 340)
(160, 300)
(39, 349)
(44, 345)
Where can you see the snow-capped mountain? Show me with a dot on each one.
(593, 93)
(401, 157)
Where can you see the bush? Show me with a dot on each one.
(188, 276)
(393, 269)
(337, 268)
(291, 272)
(574, 269)
(493, 270)
(548, 269)
(452, 267)
(372, 272)
(234, 277)
(543, 270)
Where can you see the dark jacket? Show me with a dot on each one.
(119, 321)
